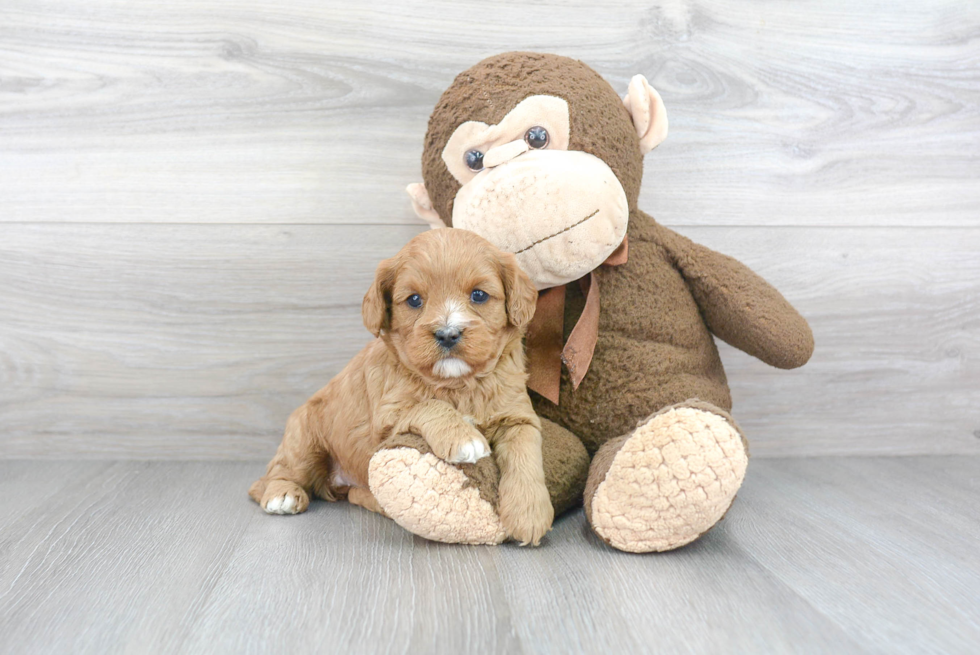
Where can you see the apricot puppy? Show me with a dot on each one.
(448, 311)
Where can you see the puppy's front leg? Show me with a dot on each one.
(448, 433)
(525, 505)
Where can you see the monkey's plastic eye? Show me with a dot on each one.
(474, 160)
(414, 301)
(536, 137)
(479, 296)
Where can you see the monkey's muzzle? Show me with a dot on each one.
(562, 213)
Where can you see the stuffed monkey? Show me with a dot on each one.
(539, 155)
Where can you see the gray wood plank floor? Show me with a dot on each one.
(818, 555)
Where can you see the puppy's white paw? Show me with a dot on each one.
(470, 452)
(287, 504)
(282, 497)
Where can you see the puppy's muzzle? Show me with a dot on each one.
(448, 337)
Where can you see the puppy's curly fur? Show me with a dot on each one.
(448, 311)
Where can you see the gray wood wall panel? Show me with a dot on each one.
(830, 113)
(193, 197)
(196, 341)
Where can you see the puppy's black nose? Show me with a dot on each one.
(448, 337)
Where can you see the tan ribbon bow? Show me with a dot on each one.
(545, 352)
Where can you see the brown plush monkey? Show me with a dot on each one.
(538, 154)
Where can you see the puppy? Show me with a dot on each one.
(448, 312)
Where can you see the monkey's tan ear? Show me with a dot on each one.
(423, 206)
(522, 297)
(649, 115)
(376, 307)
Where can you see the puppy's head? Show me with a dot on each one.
(449, 303)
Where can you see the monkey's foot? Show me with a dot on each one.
(432, 498)
(669, 481)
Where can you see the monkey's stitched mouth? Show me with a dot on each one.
(557, 233)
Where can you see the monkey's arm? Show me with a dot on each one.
(738, 306)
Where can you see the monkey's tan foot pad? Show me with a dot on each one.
(668, 482)
(432, 498)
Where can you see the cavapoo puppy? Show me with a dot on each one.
(448, 311)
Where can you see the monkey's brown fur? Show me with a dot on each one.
(600, 125)
(659, 310)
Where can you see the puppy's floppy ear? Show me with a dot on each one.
(522, 297)
(376, 308)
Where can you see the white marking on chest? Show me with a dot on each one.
(451, 368)
(340, 479)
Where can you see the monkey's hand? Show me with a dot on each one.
(738, 306)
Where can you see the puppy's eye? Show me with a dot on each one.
(473, 160)
(479, 296)
(414, 301)
(536, 137)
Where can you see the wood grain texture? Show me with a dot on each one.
(193, 198)
(830, 113)
(817, 555)
(195, 342)
(896, 319)
(197, 337)
(120, 560)
(861, 528)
